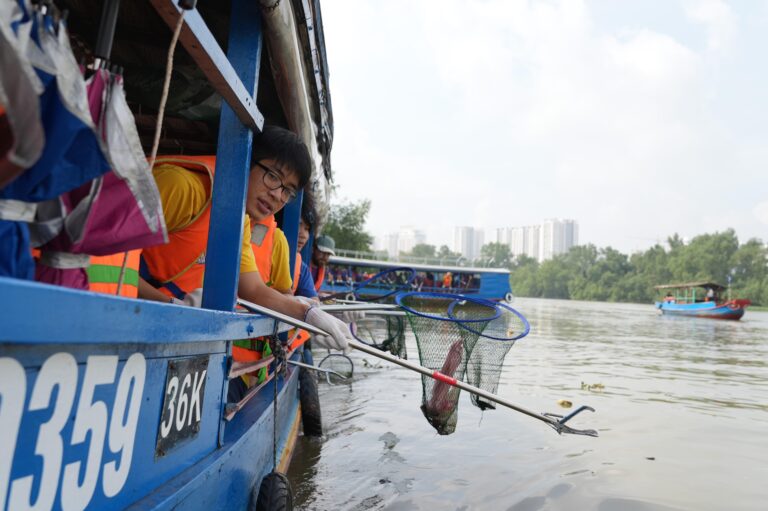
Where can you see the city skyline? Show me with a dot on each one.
(541, 241)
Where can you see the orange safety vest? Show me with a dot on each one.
(263, 252)
(320, 277)
(104, 273)
(178, 267)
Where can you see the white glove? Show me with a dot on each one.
(352, 316)
(192, 299)
(339, 332)
(306, 300)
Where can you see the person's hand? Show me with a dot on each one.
(192, 299)
(306, 300)
(338, 331)
(350, 316)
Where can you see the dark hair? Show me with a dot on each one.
(308, 211)
(286, 148)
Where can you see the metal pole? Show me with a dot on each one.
(106, 34)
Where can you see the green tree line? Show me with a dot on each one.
(605, 274)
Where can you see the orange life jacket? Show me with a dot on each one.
(320, 277)
(263, 252)
(296, 272)
(104, 273)
(178, 267)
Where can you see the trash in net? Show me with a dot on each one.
(445, 344)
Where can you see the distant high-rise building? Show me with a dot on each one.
(557, 237)
(390, 244)
(409, 237)
(533, 241)
(541, 242)
(467, 241)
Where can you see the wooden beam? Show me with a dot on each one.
(199, 42)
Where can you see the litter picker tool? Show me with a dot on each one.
(556, 422)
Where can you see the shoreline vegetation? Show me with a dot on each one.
(605, 274)
(590, 273)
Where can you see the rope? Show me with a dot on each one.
(274, 395)
(159, 122)
(166, 86)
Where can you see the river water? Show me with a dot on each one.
(681, 408)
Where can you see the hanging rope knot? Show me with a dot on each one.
(269, 8)
(278, 351)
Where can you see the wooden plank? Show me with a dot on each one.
(199, 42)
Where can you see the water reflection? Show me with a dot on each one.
(682, 407)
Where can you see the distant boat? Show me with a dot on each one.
(488, 283)
(701, 300)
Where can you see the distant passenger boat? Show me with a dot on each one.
(700, 299)
(488, 283)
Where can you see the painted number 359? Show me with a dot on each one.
(92, 421)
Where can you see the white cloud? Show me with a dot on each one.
(718, 18)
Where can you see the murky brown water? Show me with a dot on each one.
(682, 417)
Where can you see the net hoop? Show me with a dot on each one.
(456, 300)
(499, 306)
(353, 331)
(397, 288)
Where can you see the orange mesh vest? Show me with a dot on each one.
(262, 250)
(104, 274)
(177, 267)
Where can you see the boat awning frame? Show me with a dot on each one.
(707, 285)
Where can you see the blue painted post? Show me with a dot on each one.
(233, 162)
(291, 216)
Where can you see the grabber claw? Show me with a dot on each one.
(560, 427)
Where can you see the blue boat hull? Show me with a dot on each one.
(728, 310)
(89, 411)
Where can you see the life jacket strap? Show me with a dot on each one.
(175, 290)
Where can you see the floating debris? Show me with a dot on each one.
(597, 387)
(564, 403)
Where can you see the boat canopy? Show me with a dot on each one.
(419, 267)
(706, 285)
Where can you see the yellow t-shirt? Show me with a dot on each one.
(280, 273)
(183, 194)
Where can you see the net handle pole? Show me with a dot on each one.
(555, 421)
(558, 425)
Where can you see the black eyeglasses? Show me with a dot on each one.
(273, 181)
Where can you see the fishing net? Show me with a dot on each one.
(386, 333)
(377, 288)
(485, 364)
(445, 344)
(339, 368)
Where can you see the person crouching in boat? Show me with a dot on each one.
(174, 272)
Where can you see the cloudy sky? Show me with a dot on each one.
(637, 118)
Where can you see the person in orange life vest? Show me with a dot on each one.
(280, 166)
(272, 254)
(302, 278)
(321, 252)
(447, 280)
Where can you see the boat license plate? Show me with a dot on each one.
(183, 402)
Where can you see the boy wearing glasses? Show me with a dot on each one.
(174, 272)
